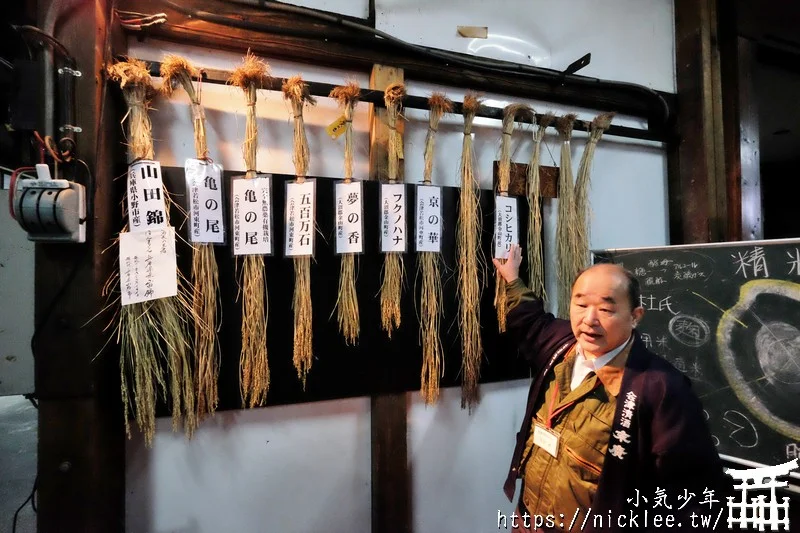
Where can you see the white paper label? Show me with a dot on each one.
(146, 207)
(429, 218)
(545, 439)
(349, 218)
(393, 217)
(300, 218)
(148, 269)
(506, 225)
(252, 215)
(204, 188)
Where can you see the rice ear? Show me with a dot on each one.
(295, 90)
(393, 268)
(470, 273)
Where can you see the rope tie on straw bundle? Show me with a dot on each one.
(470, 262)
(296, 91)
(254, 377)
(431, 309)
(510, 115)
(177, 71)
(347, 300)
(393, 268)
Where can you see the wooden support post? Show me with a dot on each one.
(391, 479)
(697, 180)
(740, 112)
(746, 185)
(81, 451)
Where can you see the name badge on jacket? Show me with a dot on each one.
(546, 439)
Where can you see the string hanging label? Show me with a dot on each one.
(146, 206)
(393, 217)
(428, 217)
(204, 189)
(506, 225)
(300, 218)
(336, 128)
(148, 268)
(252, 215)
(349, 218)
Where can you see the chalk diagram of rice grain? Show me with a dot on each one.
(758, 343)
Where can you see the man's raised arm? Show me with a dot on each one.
(536, 332)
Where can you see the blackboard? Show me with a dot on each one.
(728, 316)
(376, 364)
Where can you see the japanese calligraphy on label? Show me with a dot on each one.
(506, 225)
(204, 189)
(393, 217)
(148, 269)
(300, 218)
(252, 215)
(337, 127)
(146, 207)
(349, 218)
(429, 218)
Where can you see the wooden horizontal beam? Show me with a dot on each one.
(321, 43)
(375, 96)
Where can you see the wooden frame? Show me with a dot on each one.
(81, 450)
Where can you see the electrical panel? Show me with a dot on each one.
(50, 210)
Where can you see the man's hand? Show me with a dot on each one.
(510, 269)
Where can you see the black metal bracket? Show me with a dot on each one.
(578, 64)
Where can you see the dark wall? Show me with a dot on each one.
(780, 185)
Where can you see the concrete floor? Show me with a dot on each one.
(18, 435)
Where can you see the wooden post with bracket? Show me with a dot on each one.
(391, 479)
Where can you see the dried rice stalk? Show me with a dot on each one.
(565, 228)
(205, 276)
(254, 360)
(347, 299)
(178, 71)
(431, 293)
(582, 216)
(137, 88)
(510, 114)
(255, 376)
(157, 330)
(393, 268)
(296, 91)
(535, 247)
(470, 273)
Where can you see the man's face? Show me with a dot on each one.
(600, 312)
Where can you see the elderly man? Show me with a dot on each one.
(613, 434)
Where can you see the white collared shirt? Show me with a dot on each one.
(583, 367)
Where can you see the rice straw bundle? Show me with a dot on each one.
(535, 247)
(431, 293)
(347, 300)
(393, 268)
(149, 332)
(565, 227)
(177, 71)
(582, 216)
(470, 273)
(296, 91)
(254, 363)
(510, 114)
